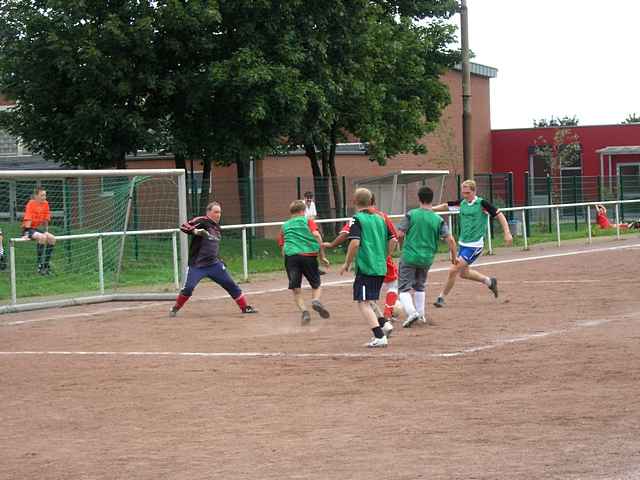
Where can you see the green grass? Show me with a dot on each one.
(149, 266)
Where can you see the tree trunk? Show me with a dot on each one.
(320, 183)
(121, 160)
(244, 189)
(206, 183)
(337, 197)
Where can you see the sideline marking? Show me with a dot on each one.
(338, 283)
(409, 355)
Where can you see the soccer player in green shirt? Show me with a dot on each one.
(420, 232)
(371, 242)
(473, 227)
(301, 243)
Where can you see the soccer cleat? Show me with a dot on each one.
(41, 269)
(306, 317)
(173, 312)
(387, 329)
(494, 286)
(411, 319)
(249, 309)
(377, 342)
(439, 302)
(318, 307)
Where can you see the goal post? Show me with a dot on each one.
(116, 235)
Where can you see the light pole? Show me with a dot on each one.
(467, 150)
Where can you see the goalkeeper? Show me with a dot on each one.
(204, 260)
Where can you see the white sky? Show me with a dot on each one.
(558, 57)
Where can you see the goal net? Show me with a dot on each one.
(115, 232)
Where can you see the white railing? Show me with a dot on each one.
(244, 227)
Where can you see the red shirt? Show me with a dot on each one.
(602, 220)
(312, 226)
(36, 212)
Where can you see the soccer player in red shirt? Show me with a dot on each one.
(603, 220)
(35, 226)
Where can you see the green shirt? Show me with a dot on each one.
(473, 222)
(423, 228)
(298, 238)
(371, 229)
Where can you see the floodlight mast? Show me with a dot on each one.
(467, 152)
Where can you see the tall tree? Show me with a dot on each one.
(372, 72)
(632, 118)
(80, 73)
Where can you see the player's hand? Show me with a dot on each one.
(200, 232)
(453, 257)
(325, 261)
(508, 240)
(344, 269)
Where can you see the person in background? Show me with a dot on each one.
(310, 206)
(35, 225)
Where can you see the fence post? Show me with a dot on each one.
(621, 193)
(510, 193)
(344, 196)
(101, 265)
(245, 263)
(490, 201)
(549, 199)
(459, 192)
(575, 200)
(618, 221)
(599, 186)
(174, 244)
(525, 213)
(12, 271)
(589, 224)
(489, 236)
(524, 229)
(558, 224)
(298, 187)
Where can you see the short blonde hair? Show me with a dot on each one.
(297, 206)
(470, 183)
(362, 197)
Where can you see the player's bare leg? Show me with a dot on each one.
(454, 270)
(299, 299)
(490, 282)
(317, 305)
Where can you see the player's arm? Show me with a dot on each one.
(339, 240)
(392, 235)
(445, 207)
(315, 231)
(403, 228)
(354, 235)
(47, 219)
(281, 242)
(498, 215)
(27, 220)
(194, 227)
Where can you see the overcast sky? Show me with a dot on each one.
(558, 57)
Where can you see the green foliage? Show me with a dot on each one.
(565, 121)
(80, 73)
(632, 118)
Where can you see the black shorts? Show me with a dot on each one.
(367, 287)
(298, 266)
(28, 232)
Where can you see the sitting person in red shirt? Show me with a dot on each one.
(603, 220)
(35, 224)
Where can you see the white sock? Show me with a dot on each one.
(407, 303)
(1, 250)
(420, 297)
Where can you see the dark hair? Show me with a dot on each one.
(308, 194)
(425, 194)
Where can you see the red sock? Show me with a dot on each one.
(241, 301)
(180, 301)
(389, 303)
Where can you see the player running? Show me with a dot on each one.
(391, 277)
(473, 227)
(420, 232)
(204, 260)
(301, 243)
(371, 243)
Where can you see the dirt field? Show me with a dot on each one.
(542, 383)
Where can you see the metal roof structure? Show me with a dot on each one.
(627, 150)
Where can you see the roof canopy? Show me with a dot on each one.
(629, 150)
(402, 177)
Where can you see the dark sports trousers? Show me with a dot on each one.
(299, 266)
(367, 287)
(216, 272)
